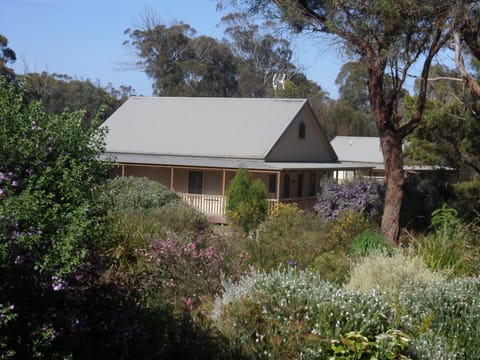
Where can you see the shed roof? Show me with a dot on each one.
(358, 149)
(210, 127)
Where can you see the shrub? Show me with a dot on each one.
(369, 240)
(449, 246)
(182, 273)
(49, 223)
(333, 266)
(348, 225)
(289, 235)
(133, 193)
(389, 272)
(467, 199)
(246, 201)
(359, 195)
(295, 314)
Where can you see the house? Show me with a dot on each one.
(364, 150)
(194, 146)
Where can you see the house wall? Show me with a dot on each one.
(313, 148)
(160, 174)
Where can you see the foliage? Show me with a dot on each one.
(448, 136)
(49, 177)
(184, 273)
(134, 193)
(360, 195)
(289, 237)
(246, 201)
(449, 246)
(294, 314)
(7, 56)
(422, 195)
(389, 273)
(60, 92)
(368, 241)
(333, 266)
(467, 199)
(346, 228)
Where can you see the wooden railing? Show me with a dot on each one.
(214, 205)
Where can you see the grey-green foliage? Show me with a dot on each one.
(136, 193)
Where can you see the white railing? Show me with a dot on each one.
(213, 204)
(208, 204)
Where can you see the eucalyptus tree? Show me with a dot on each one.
(390, 37)
(181, 64)
(7, 56)
(467, 34)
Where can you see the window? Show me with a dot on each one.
(272, 183)
(195, 182)
(286, 186)
(313, 185)
(300, 185)
(301, 130)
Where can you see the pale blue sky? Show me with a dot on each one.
(84, 38)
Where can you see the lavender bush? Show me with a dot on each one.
(361, 194)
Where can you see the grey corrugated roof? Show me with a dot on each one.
(228, 163)
(358, 149)
(225, 127)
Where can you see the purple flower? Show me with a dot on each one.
(20, 259)
(15, 183)
(58, 284)
(292, 262)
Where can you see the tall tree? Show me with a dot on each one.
(181, 64)
(467, 32)
(259, 55)
(389, 36)
(7, 56)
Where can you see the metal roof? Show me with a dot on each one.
(358, 149)
(228, 163)
(209, 127)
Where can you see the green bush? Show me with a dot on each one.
(346, 227)
(134, 193)
(452, 245)
(467, 199)
(369, 240)
(247, 203)
(332, 266)
(288, 236)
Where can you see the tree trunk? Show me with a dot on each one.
(392, 151)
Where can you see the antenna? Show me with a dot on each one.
(278, 79)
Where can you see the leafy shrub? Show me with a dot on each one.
(369, 240)
(467, 199)
(449, 246)
(333, 266)
(389, 272)
(134, 193)
(421, 197)
(49, 219)
(443, 318)
(289, 235)
(359, 195)
(182, 273)
(247, 203)
(348, 225)
(295, 314)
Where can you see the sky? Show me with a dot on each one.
(84, 38)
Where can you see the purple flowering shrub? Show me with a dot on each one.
(361, 195)
(185, 273)
(48, 216)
